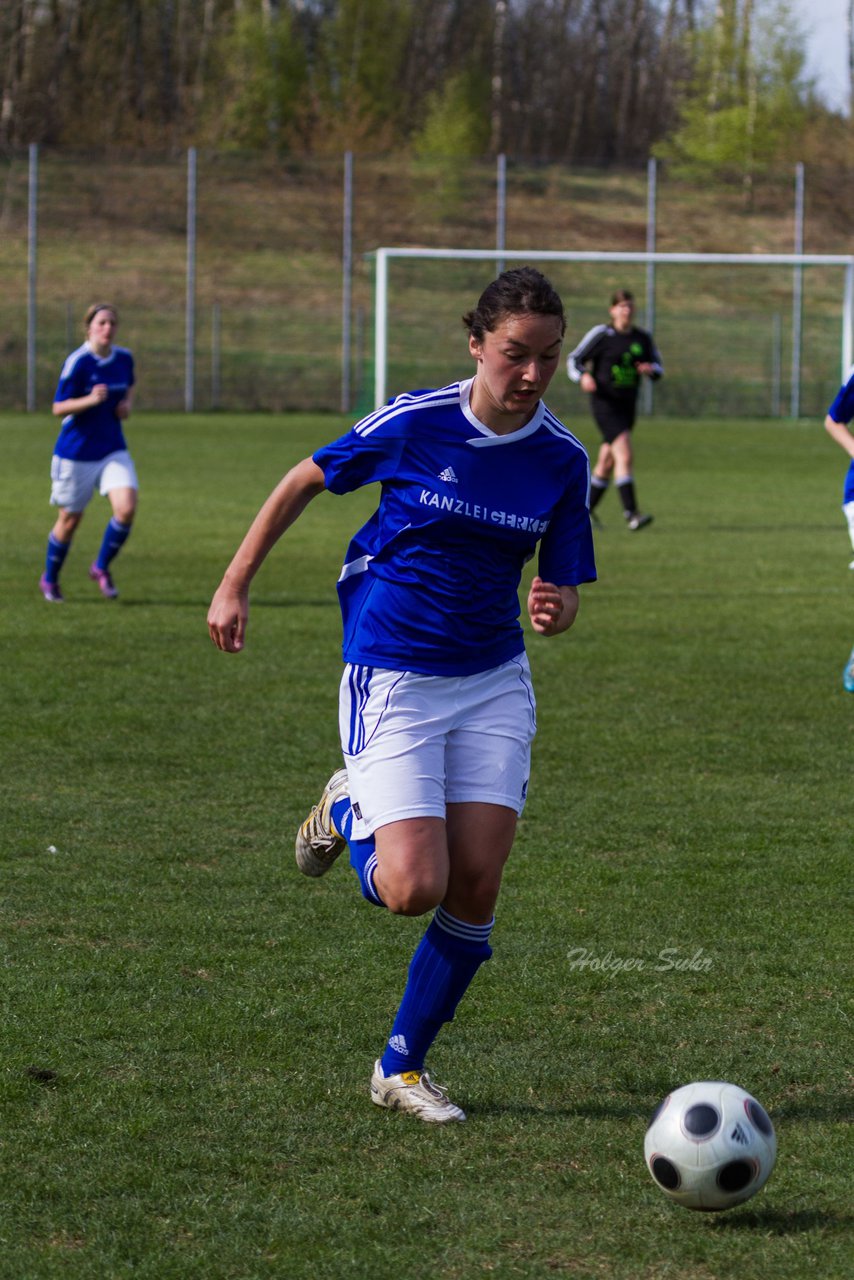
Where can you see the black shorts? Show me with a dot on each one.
(613, 417)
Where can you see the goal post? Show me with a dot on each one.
(384, 256)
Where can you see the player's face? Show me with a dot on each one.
(102, 326)
(515, 364)
(621, 316)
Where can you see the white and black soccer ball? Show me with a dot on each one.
(710, 1145)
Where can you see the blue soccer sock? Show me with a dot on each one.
(442, 968)
(363, 853)
(55, 559)
(116, 535)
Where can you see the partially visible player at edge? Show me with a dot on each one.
(608, 363)
(94, 396)
(839, 415)
(437, 712)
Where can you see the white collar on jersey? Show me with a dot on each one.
(487, 436)
(101, 359)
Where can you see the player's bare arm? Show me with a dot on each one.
(229, 611)
(840, 434)
(78, 404)
(552, 609)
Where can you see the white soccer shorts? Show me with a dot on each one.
(848, 511)
(73, 482)
(414, 743)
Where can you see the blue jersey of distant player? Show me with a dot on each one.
(842, 410)
(97, 432)
(430, 582)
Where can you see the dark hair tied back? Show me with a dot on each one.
(522, 291)
(92, 311)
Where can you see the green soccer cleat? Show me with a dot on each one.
(318, 844)
(414, 1092)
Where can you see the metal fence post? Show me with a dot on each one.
(216, 355)
(776, 363)
(501, 210)
(848, 322)
(797, 296)
(32, 263)
(347, 283)
(190, 318)
(649, 316)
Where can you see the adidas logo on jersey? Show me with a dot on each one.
(449, 476)
(398, 1043)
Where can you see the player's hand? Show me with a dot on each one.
(545, 607)
(122, 409)
(588, 382)
(99, 393)
(227, 618)
(644, 367)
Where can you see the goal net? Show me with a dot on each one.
(741, 335)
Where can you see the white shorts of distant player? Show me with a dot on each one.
(414, 743)
(73, 482)
(848, 511)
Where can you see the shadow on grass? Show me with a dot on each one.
(830, 1110)
(593, 1111)
(203, 603)
(784, 1222)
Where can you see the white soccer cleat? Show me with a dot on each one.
(318, 843)
(415, 1092)
(637, 521)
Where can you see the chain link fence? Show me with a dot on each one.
(267, 270)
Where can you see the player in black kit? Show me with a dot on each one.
(609, 362)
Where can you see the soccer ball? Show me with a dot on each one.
(710, 1145)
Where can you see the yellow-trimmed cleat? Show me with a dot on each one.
(318, 843)
(415, 1092)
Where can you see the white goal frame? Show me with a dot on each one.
(501, 256)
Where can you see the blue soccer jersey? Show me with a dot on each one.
(842, 410)
(430, 583)
(97, 432)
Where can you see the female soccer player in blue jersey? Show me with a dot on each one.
(94, 395)
(437, 712)
(836, 423)
(839, 416)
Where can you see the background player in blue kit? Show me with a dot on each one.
(94, 395)
(608, 363)
(839, 415)
(437, 712)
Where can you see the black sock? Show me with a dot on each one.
(598, 489)
(627, 495)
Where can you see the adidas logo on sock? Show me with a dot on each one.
(449, 476)
(398, 1043)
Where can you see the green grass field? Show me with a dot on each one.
(189, 1025)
